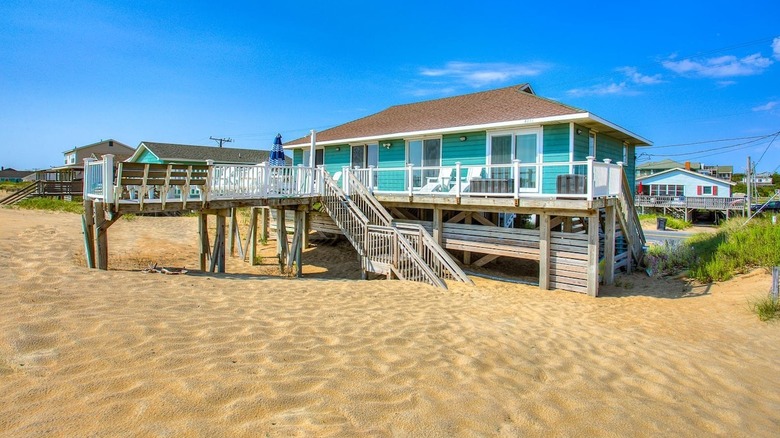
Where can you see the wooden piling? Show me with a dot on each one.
(593, 255)
(88, 224)
(203, 234)
(252, 236)
(609, 244)
(101, 237)
(544, 252)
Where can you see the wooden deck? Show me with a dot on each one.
(574, 226)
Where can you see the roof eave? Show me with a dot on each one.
(480, 127)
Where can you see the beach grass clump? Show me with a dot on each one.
(766, 308)
(736, 249)
(51, 204)
(670, 258)
(12, 186)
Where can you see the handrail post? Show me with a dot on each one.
(457, 179)
(607, 161)
(591, 181)
(370, 181)
(108, 178)
(345, 178)
(410, 178)
(209, 180)
(516, 169)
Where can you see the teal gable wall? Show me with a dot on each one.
(297, 157)
(473, 151)
(334, 159)
(148, 157)
(555, 148)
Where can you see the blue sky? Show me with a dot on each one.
(702, 83)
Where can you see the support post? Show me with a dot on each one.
(264, 224)
(232, 227)
(218, 254)
(593, 255)
(467, 254)
(306, 228)
(88, 226)
(253, 236)
(101, 236)
(203, 235)
(609, 245)
(544, 252)
(437, 225)
(281, 238)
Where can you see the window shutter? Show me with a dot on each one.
(698, 190)
(714, 190)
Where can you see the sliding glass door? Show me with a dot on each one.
(505, 147)
(424, 153)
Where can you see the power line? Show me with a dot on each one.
(715, 141)
(733, 146)
(767, 148)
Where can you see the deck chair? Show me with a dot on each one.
(438, 183)
(473, 172)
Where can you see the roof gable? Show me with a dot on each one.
(667, 173)
(170, 152)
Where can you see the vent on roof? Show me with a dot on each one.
(110, 143)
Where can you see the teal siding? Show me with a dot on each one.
(473, 151)
(581, 142)
(555, 148)
(392, 158)
(608, 147)
(148, 157)
(335, 160)
(297, 157)
(630, 167)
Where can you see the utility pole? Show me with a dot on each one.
(221, 140)
(748, 177)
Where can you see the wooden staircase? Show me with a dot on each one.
(406, 251)
(27, 191)
(629, 222)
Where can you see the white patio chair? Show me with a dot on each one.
(473, 172)
(438, 183)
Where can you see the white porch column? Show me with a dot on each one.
(312, 159)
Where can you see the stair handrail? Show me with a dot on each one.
(361, 244)
(21, 194)
(629, 215)
(445, 265)
(376, 213)
(421, 270)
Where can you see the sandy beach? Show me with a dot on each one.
(251, 353)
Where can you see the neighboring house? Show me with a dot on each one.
(13, 175)
(166, 153)
(654, 167)
(683, 183)
(762, 179)
(488, 128)
(74, 158)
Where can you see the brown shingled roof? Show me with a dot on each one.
(492, 106)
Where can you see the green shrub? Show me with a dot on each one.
(51, 205)
(670, 258)
(671, 222)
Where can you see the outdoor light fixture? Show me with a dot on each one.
(463, 138)
(387, 145)
(338, 148)
(579, 131)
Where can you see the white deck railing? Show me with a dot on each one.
(148, 183)
(577, 179)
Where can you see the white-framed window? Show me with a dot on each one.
(70, 158)
(424, 152)
(506, 146)
(364, 155)
(667, 190)
(592, 144)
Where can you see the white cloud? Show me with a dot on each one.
(767, 106)
(602, 90)
(478, 75)
(633, 74)
(724, 84)
(721, 66)
(776, 48)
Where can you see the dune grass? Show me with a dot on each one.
(766, 308)
(51, 204)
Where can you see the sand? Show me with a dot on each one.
(123, 353)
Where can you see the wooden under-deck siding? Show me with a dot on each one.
(569, 261)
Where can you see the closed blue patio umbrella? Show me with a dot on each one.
(277, 152)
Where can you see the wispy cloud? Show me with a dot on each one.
(634, 76)
(480, 74)
(626, 87)
(769, 106)
(724, 84)
(776, 48)
(721, 66)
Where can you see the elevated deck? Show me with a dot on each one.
(588, 197)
